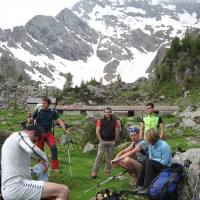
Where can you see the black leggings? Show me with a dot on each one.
(149, 170)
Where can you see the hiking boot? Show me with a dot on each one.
(94, 174)
(143, 191)
(137, 188)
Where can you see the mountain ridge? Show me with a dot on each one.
(91, 36)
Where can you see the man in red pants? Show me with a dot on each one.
(45, 117)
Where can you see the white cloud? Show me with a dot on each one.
(18, 12)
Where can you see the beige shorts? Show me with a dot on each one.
(24, 190)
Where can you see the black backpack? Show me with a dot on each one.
(52, 115)
(167, 185)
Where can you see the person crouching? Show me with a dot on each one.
(139, 148)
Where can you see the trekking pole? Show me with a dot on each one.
(69, 158)
(195, 188)
(188, 187)
(66, 140)
(110, 178)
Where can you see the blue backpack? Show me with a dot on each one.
(166, 185)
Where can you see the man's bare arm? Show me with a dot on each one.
(141, 130)
(162, 129)
(98, 134)
(62, 125)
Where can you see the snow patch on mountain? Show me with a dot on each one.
(187, 18)
(131, 70)
(126, 31)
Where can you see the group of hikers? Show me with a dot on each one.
(151, 153)
(144, 159)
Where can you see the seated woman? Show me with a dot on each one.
(137, 147)
(160, 157)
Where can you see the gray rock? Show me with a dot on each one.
(196, 118)
(123, 145)
(4, 123)
(195, 115)
(156, 61)
(197, 128)
(188, 122)
(88, 147)
(186, 94)
(170, 125)
(179, 132)
(162, 97)
(193, 172)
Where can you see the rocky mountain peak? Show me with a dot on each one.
(87, 39)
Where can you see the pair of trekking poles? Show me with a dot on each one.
(186, 165)
(67, 141)
(111, 193)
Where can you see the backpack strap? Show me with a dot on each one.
(37, 111)
(52, 115)
(32, 148)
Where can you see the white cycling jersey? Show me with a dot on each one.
(15, 164)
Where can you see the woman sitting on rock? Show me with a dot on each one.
(160, 157)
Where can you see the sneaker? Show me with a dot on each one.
(143, 191)
(94, 174)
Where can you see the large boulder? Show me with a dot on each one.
(191, 117)
(192, 187)
(88, 147)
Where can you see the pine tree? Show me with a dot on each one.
(175, 47)
(68, 81)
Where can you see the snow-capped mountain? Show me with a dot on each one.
(97, 38)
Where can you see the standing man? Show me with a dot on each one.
(151, 120)
(107, 131)
(45, 117)
(16, 175)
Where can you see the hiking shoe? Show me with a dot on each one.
(143, 191)
(137, 188)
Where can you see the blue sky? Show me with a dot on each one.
(18, 12)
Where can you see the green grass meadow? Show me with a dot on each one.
(82, 163)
